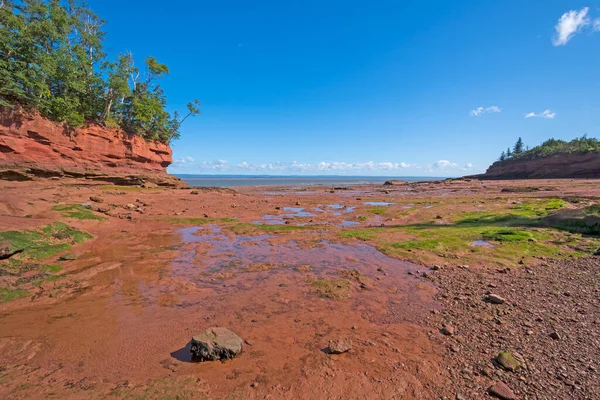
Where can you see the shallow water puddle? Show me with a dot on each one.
(349, 223)
(139, 317)
(482, 243)
(378, 203)
(208, 251)
(292, 212)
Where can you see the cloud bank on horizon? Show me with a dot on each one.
(440, 167)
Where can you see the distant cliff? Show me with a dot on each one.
(32, 146)
(572, 165)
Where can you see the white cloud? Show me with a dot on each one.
(545, 114)
(569, 24)
(443, 165)
(597, 25)
(481, 110)
(184, 161)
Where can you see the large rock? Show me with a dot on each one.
(508, 361)
(214, 344)
(339, 346)
(7, 250)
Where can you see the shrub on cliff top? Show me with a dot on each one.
(52, 61)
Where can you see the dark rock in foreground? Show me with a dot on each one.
(214, 344)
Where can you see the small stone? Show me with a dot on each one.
(508, 361)
(554, 335)
(436, 268)
(68, 257)
(149, 185)
(87, 206)
(495, 299)
(214, 344)
(130, 206)
(7, 250)
(447, 330)
(501, 391)
(194, 192)
(97, 199)
(339, 346)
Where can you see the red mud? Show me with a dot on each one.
(131, 301)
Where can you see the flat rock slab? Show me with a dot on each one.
(501, 391)
(214, 344)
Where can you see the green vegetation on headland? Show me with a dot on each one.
(52, 61)
(551, 147)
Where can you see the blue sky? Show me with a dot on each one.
(428, 88)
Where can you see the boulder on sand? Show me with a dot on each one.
(214, 344)
(7, 250)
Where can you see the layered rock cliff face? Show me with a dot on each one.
(32, 146)
(561, 166)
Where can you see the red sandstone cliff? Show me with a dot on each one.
(33, 146)
(573, 165)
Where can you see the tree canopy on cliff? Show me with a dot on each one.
(52, 61)
(550, 147)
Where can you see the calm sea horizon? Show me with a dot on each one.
(291, 180)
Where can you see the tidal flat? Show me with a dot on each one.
(101, 289)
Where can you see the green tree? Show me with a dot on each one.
(518, 149)
(508, 153)
(502, 156)
(52, 61)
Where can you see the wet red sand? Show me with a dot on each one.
(141, 288)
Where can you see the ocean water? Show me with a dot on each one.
(296, 181)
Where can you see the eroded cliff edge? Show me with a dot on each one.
(574, 165)
(34, 147)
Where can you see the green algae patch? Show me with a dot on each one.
(77, 211)
(246, 229)
(360, 234)
(335, 289)
(377, 210)
(52, 269)
(507, 235)
(7, 295)
(44, 243)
